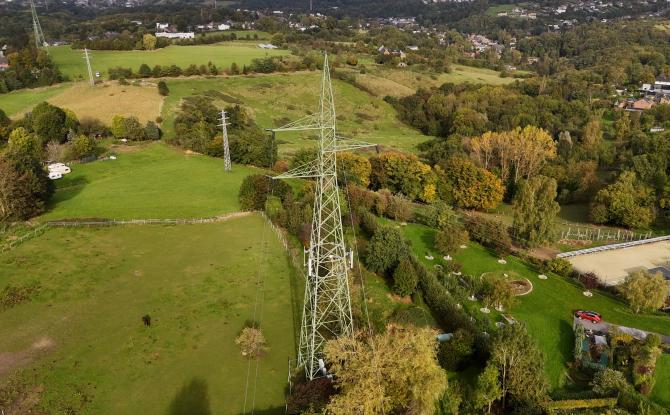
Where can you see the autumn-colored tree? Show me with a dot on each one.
(252, 342)
(403, 173)
(592, 139)
(645, 291)
(535, 209)
(488, 388)
(468, 186)
(353, 168)
(149, 41)
(392, 372)
(518, 154)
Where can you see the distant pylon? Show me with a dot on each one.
(40, 41)
(88, 65)
(327, 305)
(226, 149)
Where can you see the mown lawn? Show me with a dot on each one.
(661, 392)
(71, 63)
(280, 98)
(152, 181)
(80, 346)
(18, 102)
(547, 311)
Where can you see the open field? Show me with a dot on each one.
(547, 310)
(151, 181)
(382, 81)
(110, 99)
(17, 102)
(70, 61)
(277, 99)
(612, 267)
(79, 345)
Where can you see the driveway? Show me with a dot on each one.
(604, 327)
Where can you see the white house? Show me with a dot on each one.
(162, 26)
(267, 46)
(223, 26)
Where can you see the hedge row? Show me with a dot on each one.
(581, 404)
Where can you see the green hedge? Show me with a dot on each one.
(581, 404)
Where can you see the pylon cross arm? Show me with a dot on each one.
(309, 122)
(305, 171)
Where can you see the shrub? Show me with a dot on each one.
(559, 266)
(450, 238)
(252, 342)
(404, 278)
(368, 223)
(152, 131)
(81, 147)
(255, 189)
(589, 280)
(490, 233)
(310, 396)
(454, 354)
(385, 250)
(399, 208)
(163, 88)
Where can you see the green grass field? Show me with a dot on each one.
(71, 63)
(149, 182)
(277, 99)
(23, 100)
(79, 346)
(661, 392)
(547, 311)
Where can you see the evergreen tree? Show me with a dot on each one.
(404, 278)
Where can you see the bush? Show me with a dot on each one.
(404, 278)
(385, 250)
(152, 131)
(81, 147)
(252, 342)
(163, 88)
(368, 223)
(399, 208)
(490, 233)
(589, 280)
(450, 239)
(454, 354)
(255, 189)
(559, 266)
(310, 396)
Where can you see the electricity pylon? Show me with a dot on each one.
(226, 149)
(37, 28)
(327, 305)
(88, 64)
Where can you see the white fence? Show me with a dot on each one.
(612, 246)
(597, 234)
(28, 235)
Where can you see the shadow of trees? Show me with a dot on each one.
(191, 399)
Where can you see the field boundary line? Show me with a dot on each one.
(113, 222)
(612, 247)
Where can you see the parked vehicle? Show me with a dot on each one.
(55, 175)
(589, 315)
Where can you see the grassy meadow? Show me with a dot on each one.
(151, 181)
(278, 99)
(17, 102)
(547, 310)
(71, 63)
(79, 344)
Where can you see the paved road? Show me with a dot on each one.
(604, 327)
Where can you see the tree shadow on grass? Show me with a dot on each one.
(566, 343)
(191, 399)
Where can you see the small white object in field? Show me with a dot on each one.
(500, 308)
(447, 258)
(463, 246)
(485, 310)
(430, 257)
(587, 294)
(403, 224)
(505, 275)
(542, 277)
(472, 298)
(502, 261)
(112, 157)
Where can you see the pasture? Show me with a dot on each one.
(79, 345)
(278, 99)
(18, 102)
(71, 63)
(547, 310)
(149, 181)
(382, 81)
(108, 99)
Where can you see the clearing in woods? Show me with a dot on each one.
(71, 63)
(277, 99)
(80, 341)
(18, 102)
(154, 182)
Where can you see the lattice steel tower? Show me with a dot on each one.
(226, 149)
(87, 57)
(327, 304)
(37, 28)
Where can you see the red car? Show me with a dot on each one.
(589, 315)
